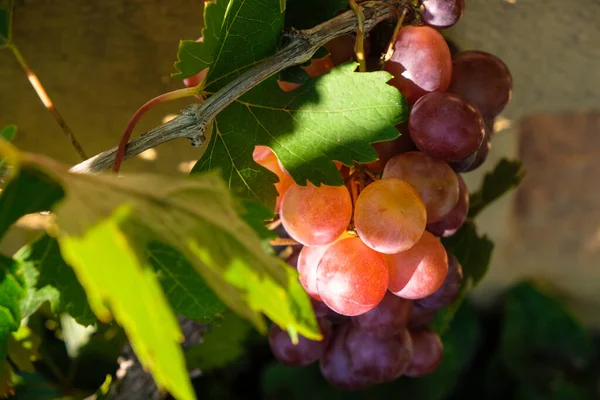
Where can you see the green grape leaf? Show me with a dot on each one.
(507, 175)
(11, 294)
(118, 283)
(222, 345)
(6, 13)
(8, 132)
(194, 56)
(474, 252)
(541, 335)
(49, 278)
(23, 348)
(29, 192)
(186, 290)
(304, 14)
(333, 117)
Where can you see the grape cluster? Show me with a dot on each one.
(371, 256)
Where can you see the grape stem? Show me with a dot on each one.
(359, 45)
(390, 50)
(193, 120)
(283, 242)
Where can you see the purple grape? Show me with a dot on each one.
(304, 352)
(465, 164)
(481, 154)
(447, 293)
(356, 359)
(456, 217)
(446, 127)
(483, 80)
(421, 316)
(389, 318)
(442, 13)
(428, 352)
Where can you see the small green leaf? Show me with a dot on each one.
(506, 175)
(50, 279)
(23, 348)
(304, 14)
(474, 252)
(540, 335)
(29, 192)
(11, 294)
(118, 283)
(333, 117)
(222, 345)
(8, 132)
(194, 56)
(186, 290)
(6, 13)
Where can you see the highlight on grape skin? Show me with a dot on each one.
(442, 14)
(421, 62)
(434, 181)
(389, 216)
(351, 277)
(419, 271)
(315, 216)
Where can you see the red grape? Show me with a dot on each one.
(315, 216)
(391, 148)
(449, 290)
(456, 217)
(351, 277)
(433, 179)
(389, 216)
(428, 351)
(445, 126)
(389, 318)
(421, 316)
(304, 352)
(420, 270)
(308, 261)
(483, 80)
(265, 157)
(356, 360)
(421, 62)
(442, 13)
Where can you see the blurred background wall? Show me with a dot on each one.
(101, 59)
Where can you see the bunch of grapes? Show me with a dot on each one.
(372, 260)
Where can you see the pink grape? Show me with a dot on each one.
(389, 216)
(304, 352)
(419, 271)
(389, 318)
(434, 180)
(442, 13)
(483, 80)
(351, 277)
(421, 62)
(428, 352)
(445, 126)
(449, 290)
(452, 221)
(315, 216)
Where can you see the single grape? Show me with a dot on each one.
(379, 360)
(456, 217)
(442, 13)
(420, 270)
(446, 127)
(308, 261)
(421, 316)
(351, 277)
(449, 290)
(304, 352)
(464, 165)
(389, 318)
(318, 66)
(315, 216)
(481, 154)
(265, 157)
(421, 62)
(391, 148)
(434, 181)
(336, 363)
(483, 80)
(389, 216)
(428, 352)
